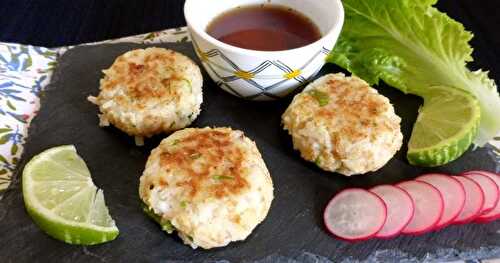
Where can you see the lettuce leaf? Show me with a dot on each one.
(412, 46)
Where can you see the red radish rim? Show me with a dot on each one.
(472, 173)
(450, 221)
(409, 220)
(478, 213)
(384, 206)
(431, 227)
(480, 172)
(485, 218)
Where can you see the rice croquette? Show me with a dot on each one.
(150, 91)
(343, 125)
(210, 185)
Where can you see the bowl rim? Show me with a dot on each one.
(336, 28)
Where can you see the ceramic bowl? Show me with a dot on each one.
(262, 75)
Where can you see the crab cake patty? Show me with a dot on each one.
(210, 185)
(343, 125)
(150, 91)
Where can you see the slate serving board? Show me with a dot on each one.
(293, 230)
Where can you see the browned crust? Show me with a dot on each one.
(356, 110)
(141, 80)
(217, 148)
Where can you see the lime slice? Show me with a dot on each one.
(445, 128)
(62, 199)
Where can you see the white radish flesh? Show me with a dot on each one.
(400, 209)
(453, 194)
(428, 206)
(474, 201)
(355, 214)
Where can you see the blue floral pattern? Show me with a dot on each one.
(24, 71)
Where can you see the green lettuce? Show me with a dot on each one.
(412, 46)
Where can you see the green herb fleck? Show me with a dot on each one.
(189, 84)
(183, 204)
(176, 142)
(320, 96)
(195, 156)
(171, 69)
(223, 177)
(166, 225)
(318, 161)
(190, 238)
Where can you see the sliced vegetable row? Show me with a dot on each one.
(430, 202)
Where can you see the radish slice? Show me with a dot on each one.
(453, 196)
(400, 209)
(355, 214)
(428, 206)
(490, 190)
(474, 201)
(494, 214)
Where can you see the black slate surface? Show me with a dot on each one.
(293, 230)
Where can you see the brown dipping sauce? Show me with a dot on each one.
(264, 27)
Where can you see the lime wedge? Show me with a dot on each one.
(61, 198)
(445, 128)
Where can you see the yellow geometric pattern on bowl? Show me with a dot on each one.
(244, 74)
(233, 72)
(293, 74)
